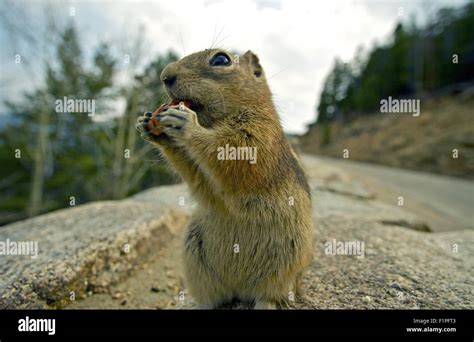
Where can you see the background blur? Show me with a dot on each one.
(328, 63)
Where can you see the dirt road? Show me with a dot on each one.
(446, 203)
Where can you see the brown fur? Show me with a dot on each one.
(238, 202)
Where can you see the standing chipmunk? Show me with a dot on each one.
(251, 235)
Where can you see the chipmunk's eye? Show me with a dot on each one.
(220, 60)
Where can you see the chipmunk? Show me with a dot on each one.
(251, 236)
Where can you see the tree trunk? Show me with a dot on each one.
(37, 182)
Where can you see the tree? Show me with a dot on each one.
(414, 60)
(74, 154)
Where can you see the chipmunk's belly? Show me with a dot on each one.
(242, 256)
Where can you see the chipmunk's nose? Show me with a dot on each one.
(168, 76)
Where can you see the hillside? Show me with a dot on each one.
(423, 143)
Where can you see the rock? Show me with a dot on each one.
(89, 248)
(408, 268)
(353, 189)
(117, 295)
(81, 249)
(174, 196)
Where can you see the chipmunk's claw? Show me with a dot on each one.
(143, 129)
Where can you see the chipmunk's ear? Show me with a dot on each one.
(254, 64)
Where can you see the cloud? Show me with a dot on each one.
(296, 41)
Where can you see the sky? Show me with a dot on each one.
(296, 40)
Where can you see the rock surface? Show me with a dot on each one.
(82, 250)
(125, 254)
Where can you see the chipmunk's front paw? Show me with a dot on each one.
(176, 122)
(143, 128)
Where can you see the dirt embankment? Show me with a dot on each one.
(428, 142)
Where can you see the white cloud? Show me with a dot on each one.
(296, 41)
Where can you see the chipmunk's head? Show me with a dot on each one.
(217, 83)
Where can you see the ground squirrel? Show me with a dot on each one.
(251, 235)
